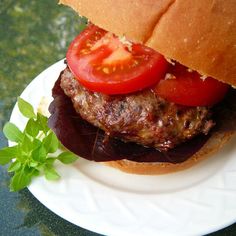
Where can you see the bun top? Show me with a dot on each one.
(199, 34)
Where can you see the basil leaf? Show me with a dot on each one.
(12, 132)
(16, 165)
(67, 157)
(27, 145)
(25, 108)
(32, 127)
(20, 180)
(7, 154)
(29, 170)
(51, 174)
(35, 173)
(51, 143)
(50, 161)
(39, 154)
(33, 164)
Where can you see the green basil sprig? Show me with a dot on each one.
(35, 149)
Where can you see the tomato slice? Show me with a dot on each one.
(185, 87)
(102, 63)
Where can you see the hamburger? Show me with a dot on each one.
(147, 84)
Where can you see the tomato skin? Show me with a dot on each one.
(140, 68)
(189, 89)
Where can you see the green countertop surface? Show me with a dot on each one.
(34, 34)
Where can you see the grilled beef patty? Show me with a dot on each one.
(140, 117)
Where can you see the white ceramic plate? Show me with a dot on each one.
(104, 200)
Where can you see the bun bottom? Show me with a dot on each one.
(214, 144)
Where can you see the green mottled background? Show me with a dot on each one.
(33, 35)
